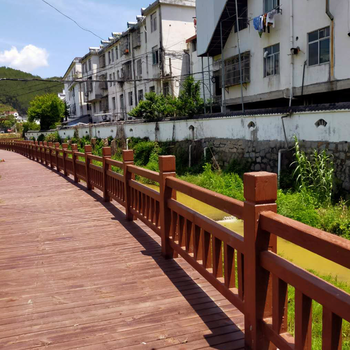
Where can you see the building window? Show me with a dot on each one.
(139, 69)
(155, 55)
(152, 89)
(272, 60)
(194, 45)
(319, 46)
(121, 98)
(90, 67)
(110, 80)
(114, 104)
(118, 74)
(269, 5)
(153, 22)
(112, 55)
(232, 74)
(130, 98)
(145, 35)
(140, 95)
(166, 89)
(109, 57)
(117, 53)
(88, 107)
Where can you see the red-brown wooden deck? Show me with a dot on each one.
(74, 274)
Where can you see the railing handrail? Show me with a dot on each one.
(226, 204)
(327, 245)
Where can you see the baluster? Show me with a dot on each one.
(331, 330)
(279, 305)
(229, 266)
(197, 248)
(189, 246)
(57, 146)
(181, 226)
(88, 151)
(45, 152)
(217, 257)
(206, 251)
(240, 274)
(64, 155)
(106, 153)
(128, 159)
(303, 321)
(74, 159)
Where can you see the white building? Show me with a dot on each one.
(148, 56)
(302, 59)
(73, 88)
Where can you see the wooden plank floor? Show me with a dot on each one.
(75, 275)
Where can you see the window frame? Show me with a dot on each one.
(276, 3)
(318, 41)
(155, 55)
(140, 95)
(154, 24)
(130, 99)
(273, 55)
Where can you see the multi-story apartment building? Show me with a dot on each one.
(147, 57)
(74, 94)
(151, 55)
(300, 58)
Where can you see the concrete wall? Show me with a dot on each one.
(254, 138)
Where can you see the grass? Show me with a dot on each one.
(9, 136)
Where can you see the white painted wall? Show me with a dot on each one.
(308, 16)
(268, 127)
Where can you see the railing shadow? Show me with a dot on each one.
(225, 334)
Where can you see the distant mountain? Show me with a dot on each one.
(18, 94)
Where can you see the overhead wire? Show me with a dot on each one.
(71, 19)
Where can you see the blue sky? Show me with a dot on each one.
(37, 39)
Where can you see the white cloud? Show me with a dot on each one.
(28, 59)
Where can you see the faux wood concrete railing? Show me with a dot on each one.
(247, 271)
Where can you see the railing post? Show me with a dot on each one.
(260, 191)
(74, 157)
(88, 150)
(57, 148)
(41, 151)
(50, 154)
(128, 159)
(36, 151)
(45, 151)
(106, 153)
(167, 168)
(64, 148)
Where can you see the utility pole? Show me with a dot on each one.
(239, 59)
(203, 83)
(210, 86)
(223, 88)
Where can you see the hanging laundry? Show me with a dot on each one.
(256, 23)
(270, 18)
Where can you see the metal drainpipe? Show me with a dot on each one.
(190, 156)
(292, 55)
(331, 17)
(161, 48)
(223, 87)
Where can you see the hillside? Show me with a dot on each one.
(19, 94)
(5, 108)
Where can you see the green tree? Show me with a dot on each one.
(48, 109)
(7, 122)
(190, 102)
(155, 107)
(29, 126)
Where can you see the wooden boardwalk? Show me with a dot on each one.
(74, 274)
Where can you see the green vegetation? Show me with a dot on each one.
(19, 94)
(49, 109)
(157, 107)
(7, 122)
(5, 108)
